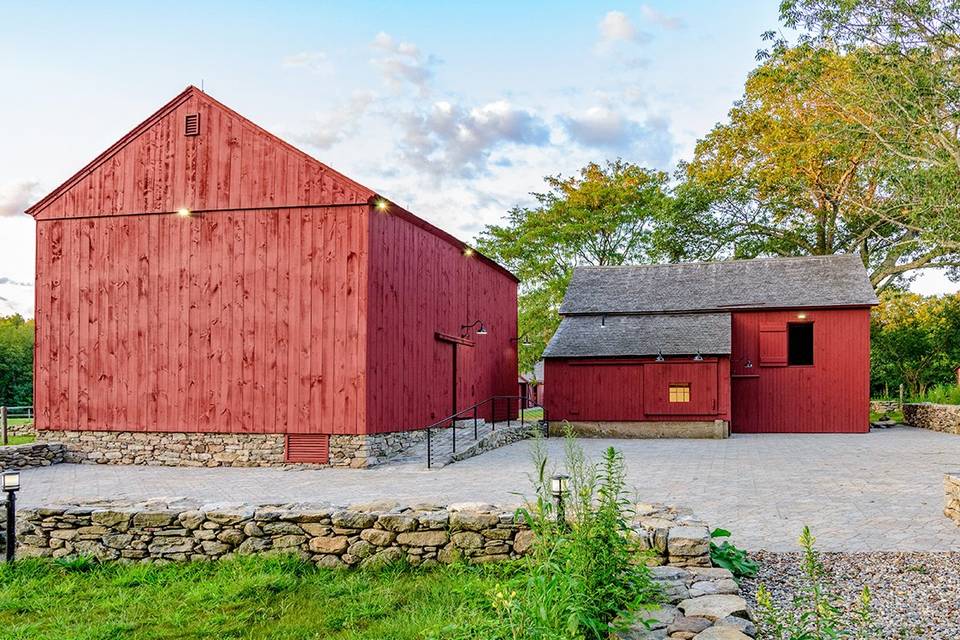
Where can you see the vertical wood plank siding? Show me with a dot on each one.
(420, 285)
(251, 315)
(635, 389)
(832, 396)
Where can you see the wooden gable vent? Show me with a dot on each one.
(308, 447)
(192, 124)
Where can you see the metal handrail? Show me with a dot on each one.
(474, 409)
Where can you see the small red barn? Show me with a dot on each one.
(208, 294)
(698, 350)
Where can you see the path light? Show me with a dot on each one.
(559, 486)
(11, 484)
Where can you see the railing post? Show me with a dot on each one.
(454, 434)
(428, 447)
(523, 407)
(475, 408)
(3, 418)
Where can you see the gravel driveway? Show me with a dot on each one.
(881, 491)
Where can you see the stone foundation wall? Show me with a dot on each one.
(371, 450)
(716, 429)
(330, 536)
(34, 454)
(937, 417)
(884, 406)
(951, 484)
(219, 449)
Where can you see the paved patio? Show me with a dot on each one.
(881, 491)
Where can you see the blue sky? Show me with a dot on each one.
(456, 110)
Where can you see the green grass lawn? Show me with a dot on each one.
(19, 421)
(20, 439)
(535, 413)
(256, 598)
(896, 416)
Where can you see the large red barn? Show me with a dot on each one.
(700, 349)
(208, 294)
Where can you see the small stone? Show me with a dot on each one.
(214, 548)
(118, 520)
(721, 633)
(688, 541)
(379, 537)
(661, 616)
(472, 521)
(387, 556)
(153, 518)
(467, 540)
(741, 624)
(231, 536)
(254, 545)
(353, 519)
(361, 549)
(335, 545)
(171, 545)
(423, 538)
(330, 562)
(397, 522)
(191, 519)
(714, 607)
(688, 624)
(288, 541)
(523, 541)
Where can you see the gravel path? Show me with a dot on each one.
(915, 594)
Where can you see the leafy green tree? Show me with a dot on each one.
(794, 172)
(16, 361)
(605, 215)
(914, 341)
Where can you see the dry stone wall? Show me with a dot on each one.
(936, 417)
(34, 454)
(884, 406)
(951, 485)
(331, 536)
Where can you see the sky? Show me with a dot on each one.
(455, 110)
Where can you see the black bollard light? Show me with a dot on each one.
(559, 486)
(11, 484)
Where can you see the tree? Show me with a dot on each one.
(16, 361)
(914, 341)
(794, 172)
(907, 55)
(605, 215)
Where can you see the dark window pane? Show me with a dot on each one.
(800, 344)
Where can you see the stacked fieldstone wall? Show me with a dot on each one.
(34, 454)
(884, 406)
(330, 536)
(219, 449)
(951, 484)
(937, 417)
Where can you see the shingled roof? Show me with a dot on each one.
(817, 281)
(641, 335)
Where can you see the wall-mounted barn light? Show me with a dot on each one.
(659, 355)
(468, 252)
(183, 212)
(523, 339)
(698, 357)
(749, 364)
(382, 205)
(465, 329)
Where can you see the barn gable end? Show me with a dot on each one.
(231, 163)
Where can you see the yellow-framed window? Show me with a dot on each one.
(679, 392)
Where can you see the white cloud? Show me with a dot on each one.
(649, 141)
(402, 63)
(315, 61)
(333, 126)
(449, 139)
(15, 197)
(615, 28)
(661, 19)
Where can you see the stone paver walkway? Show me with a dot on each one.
(881, 491)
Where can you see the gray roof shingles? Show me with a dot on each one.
(641, 335)
(818, 281)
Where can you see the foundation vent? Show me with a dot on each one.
(308, 447)
(192, 124)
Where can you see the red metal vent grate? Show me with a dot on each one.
(308, 447)
(192, 124)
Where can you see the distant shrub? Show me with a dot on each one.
(941, 394)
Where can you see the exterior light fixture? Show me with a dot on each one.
(559, 486)
(11, 484)
(659, 355)
(468, 252)
(523, 339)
(603, 321)
(382, 205)
(698, 357)
(802, 316)
(183, 212)
(749, 364)
(465, 328)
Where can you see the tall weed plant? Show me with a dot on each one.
(815, 613)
(585, 576)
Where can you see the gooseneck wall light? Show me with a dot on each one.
(465, 328)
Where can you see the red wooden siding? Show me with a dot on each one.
(626, 390)
(226, 322)
(420, 284)
(232, 164)
(831, 396)
(252, 314)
